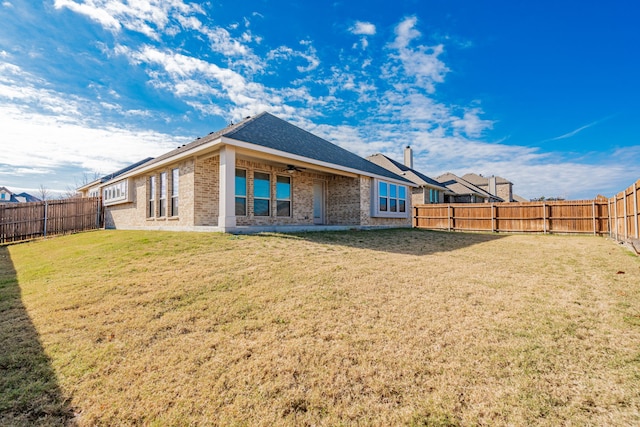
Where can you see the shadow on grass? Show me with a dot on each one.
(29, 392)
(408, 241)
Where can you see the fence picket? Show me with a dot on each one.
(24, 221)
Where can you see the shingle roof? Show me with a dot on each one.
(269, 131)
(124, 170)
(476, 179)
(462, 187)
(272, 132)
(410, 173)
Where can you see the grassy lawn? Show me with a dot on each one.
(395, 327)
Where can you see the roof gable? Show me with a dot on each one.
(409, 173)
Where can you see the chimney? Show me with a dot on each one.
(492, 185)
(408, 157)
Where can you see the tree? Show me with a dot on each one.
(44, 193)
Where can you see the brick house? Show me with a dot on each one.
(262, 174)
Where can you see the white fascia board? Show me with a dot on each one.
(286, 155)
(168, 160)
(93, 183)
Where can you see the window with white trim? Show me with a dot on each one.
(283, 196)
(151, 205)
(241, 192)
(163, 194)
(116, 193)
(389, 200)
(261, 194)
(175, 190)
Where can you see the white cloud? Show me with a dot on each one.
(149, 17)
(364, 28)
(421, 64)
(47, 132)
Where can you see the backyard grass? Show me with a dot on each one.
(394, 327)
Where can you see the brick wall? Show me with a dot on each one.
(301, 195)
(504, 191)
(134, 214)
(343, 201)
(206, 191)
(348, 200)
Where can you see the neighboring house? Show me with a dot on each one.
(428, 190)
(494, 185)
(261, 174)
(464, 191)
(7, 196)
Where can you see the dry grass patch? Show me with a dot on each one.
(375, 328)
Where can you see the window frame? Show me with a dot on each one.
(261, 198)
(174, 208)
(282, 199)
(162, 212)
(115, 193)
(238, 196)
(434, 195)
(151, 200)
(383, 190)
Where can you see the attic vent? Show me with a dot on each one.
(248, 117)
(210, 132)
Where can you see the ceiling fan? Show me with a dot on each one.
(292, 169)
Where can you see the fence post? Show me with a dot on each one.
(635, 207)
(615, 216)
(544, 218)
(449, 216)
(493, 215)
(624, 211)
(593, 211)
(46, 214)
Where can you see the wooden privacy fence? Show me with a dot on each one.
(24, 221)
(575, 216)
(624, 208)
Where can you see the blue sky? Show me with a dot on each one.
(542, 93)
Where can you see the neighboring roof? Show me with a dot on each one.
(476, 179)
(517, 198)
(269, 131)
(18, 197)
(404, 170)
(463, 187)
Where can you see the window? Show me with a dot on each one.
(116, 193)
(241, 192)
(391, 200)
(261, 194)
(402, 198)
(283, 196)
(175, 186)
(384, 196)
(163, 194)
(434, 196)
(151, 208)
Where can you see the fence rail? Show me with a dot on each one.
(575, 216)
(25, 221)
